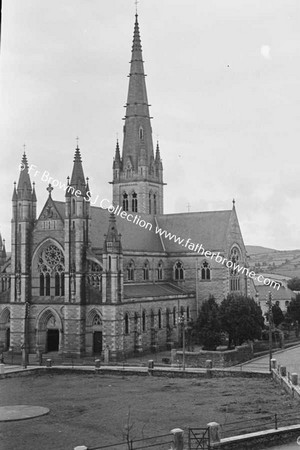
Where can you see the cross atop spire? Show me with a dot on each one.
(136, 6)
(77, 140)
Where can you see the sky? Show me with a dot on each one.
(223, 81)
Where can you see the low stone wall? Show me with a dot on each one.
(220, 359)
(288, 381)
(259, 440)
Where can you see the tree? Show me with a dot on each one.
(277, 314)
(207, 326)
(293, 309)
(294, 284)
(241, 318)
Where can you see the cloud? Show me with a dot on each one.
(265, 51)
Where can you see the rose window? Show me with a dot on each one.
(51, 259)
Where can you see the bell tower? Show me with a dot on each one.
(138, 174)
(23, 218)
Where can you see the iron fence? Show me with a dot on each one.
(156, 442)
(261, 423)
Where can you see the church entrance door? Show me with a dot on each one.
(52, 340)
(97, 342)
(7, 338)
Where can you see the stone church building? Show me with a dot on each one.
(81, 278)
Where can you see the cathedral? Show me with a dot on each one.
(122, 276)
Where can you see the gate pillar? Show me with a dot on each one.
(214, 432)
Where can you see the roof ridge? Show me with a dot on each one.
(196, 212)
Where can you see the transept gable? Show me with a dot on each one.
(50, 211)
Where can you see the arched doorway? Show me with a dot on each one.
(49, 332)
(52, 344)
(5, 329)
(97, 335)
(94, 333)
(97, 342)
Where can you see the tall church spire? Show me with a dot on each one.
(137, 174)
(137, 130)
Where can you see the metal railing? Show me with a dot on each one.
(156, 442)
(261, 423)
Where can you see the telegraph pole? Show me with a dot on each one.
(181, 321)
(269, 303)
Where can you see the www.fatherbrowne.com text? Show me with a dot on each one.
(137, 220)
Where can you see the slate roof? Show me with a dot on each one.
(60, 206)
(206, 228)
(151, 290)
(281, 294)
(133, 238)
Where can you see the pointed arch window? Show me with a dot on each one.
(51, 265)
(159, 319)
(167, 318)
(141, 133)
(188, 314)
(134, 202)
(62, 284)
(154, 204)
(150, 203)
(97, 320)
(152, 318)
(144, 321)
(136, 321)
(47, 283)
(205, 271)
(57, 284)
(159, 270)
(235, 257)
(178, 271)
(42, 284)
(130, 271)
(174, 317)
(126, 323)
(73, 206)
(146, 271)
(125, 202)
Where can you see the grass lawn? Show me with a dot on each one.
(93, 410)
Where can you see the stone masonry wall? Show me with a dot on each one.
(220, 359)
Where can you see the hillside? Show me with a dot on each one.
(257, 249)
(281, 262)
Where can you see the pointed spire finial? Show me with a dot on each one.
(77, 140)
(233, 202)
(136, 6)
(33, 194)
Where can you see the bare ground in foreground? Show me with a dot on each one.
(93, 410)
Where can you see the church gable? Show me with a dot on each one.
(234, 236)
(50, 217)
